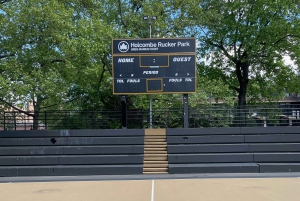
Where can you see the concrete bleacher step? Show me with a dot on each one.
(155, 169)
(155, 165)
(147, 152)
(156, 149)
(158, 155)
(214, 168)
(234, 168)
(69, 170)
(155, 152)
(155, 146)
(163, 162)
(155, 172)
(155, 140)
(155, 157)
(155, 137)
(156, 143)
(279, 167)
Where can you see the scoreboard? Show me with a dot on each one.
(152, 66)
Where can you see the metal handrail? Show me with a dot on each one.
(200, 116)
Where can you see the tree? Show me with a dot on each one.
(49, 48)
(247, 41)
(211, 87)
(34, 34)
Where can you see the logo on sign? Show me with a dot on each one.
(123, 46)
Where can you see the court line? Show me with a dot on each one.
(152, 191)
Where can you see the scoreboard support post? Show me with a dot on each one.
(150, 110)
(124, 112)
(185, 110)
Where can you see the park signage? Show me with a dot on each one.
(154, 66)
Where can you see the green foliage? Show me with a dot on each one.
(57, 54)
(54, 46)
(212, 86)
(247, 40)
(34, 68)
(211, 116)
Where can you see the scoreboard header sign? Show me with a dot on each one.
(154, 66)
(146, 46)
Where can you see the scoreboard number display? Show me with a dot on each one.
(154, 66)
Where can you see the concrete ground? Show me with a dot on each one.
(159, 189)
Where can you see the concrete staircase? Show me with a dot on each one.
(155, 152)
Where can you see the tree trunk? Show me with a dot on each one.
(36, 120)
(242, 69)
(36, 114)
(242, 94)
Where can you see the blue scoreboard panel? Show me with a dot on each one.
(151, 70)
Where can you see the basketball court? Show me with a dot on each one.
(206, 189)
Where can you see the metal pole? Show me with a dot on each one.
(15, 121)
(150, 107)
(45, 121)
(185, 111)
(4, 123)
(124, 112)
(149, 19)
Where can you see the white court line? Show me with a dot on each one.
(152, 191)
